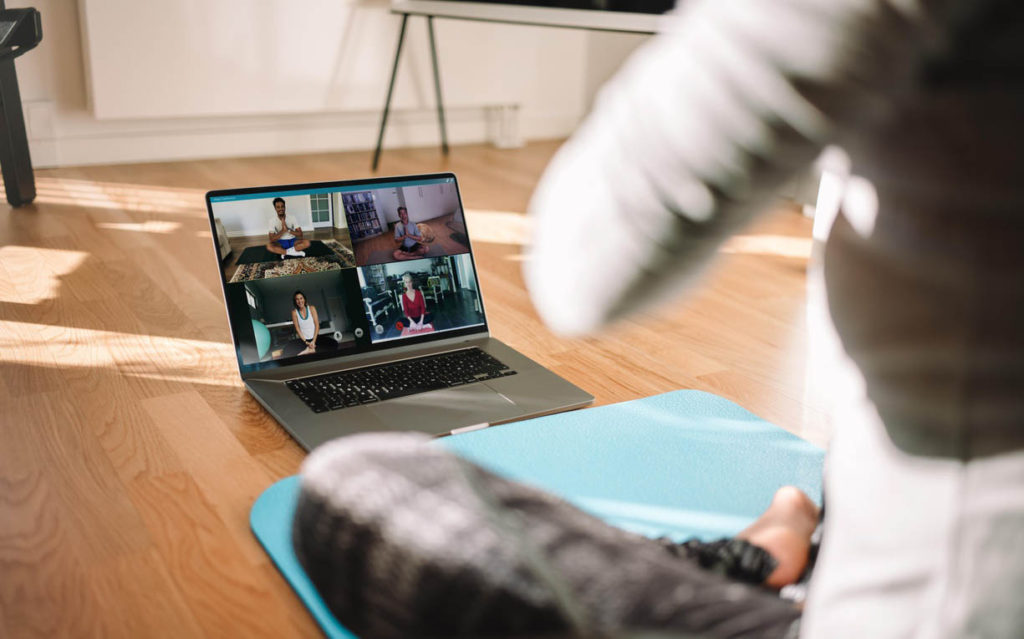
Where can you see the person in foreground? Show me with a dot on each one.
(404, 539)
(925, 475)
(923, 268)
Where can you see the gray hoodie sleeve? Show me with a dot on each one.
(697, 132)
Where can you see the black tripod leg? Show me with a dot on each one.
(15, 162)
(437, 86)
(391, 88)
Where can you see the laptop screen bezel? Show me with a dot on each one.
(474, 332)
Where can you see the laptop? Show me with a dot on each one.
(355, 306)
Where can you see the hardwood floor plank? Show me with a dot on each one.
(218, 463)
(283, 461)
(226, 593)
(152, 310)
(138, 598)
(109, 408)
(44, 590)
(91, 498)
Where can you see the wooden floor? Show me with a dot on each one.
(130, 453)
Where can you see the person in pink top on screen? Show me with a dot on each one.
(414, 307)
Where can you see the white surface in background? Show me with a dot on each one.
(482, 65)
(236, 57)
(553, 17)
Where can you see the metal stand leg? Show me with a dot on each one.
(437, 86)
(15, 162)
(391, 88)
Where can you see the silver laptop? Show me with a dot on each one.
(355, 306)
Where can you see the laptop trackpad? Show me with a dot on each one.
(443, 410)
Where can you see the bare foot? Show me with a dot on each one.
(784, 530)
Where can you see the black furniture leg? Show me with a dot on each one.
(391, 88)
(437, 86)
(19, 182)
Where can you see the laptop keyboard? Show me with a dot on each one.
(397, 379)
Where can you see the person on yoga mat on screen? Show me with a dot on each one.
(414, 306)
(306, 321)
(285, 235)
(409, 238)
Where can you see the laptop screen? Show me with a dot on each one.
(317, 271)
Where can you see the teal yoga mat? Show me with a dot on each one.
(682, 464)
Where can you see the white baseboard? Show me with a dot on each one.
(168, 140)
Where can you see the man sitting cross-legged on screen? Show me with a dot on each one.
(410, 238)
(285, 234)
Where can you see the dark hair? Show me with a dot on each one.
(402, 208)
(303, 297)
(278, 199)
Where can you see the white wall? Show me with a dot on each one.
(159, 65)
(275, 295)
(338, 212)
(422, 202)
(387, 201)
(412, 266)
(253, 217)
(467, 276)
(605, 54)
(428, 202)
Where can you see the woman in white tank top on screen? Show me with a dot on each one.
(306, 321)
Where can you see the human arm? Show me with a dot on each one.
(421, 304)
(697, 133)
(316, 328)
(406, 305)
(295, 323)
(411, 232)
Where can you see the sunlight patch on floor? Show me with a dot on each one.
(169, 358)
(127, 197)
(34, 273)
(149, 226)
(774, 245)
(498, 227)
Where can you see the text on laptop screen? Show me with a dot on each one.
(337, 270)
